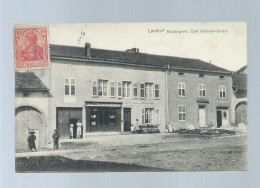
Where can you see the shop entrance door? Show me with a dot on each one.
(127, 119)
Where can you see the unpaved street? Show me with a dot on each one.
(192, 154)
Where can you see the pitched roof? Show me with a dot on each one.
(240, 81)
(135, 58)
(242, 69)
(28, 81)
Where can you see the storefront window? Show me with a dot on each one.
(112, 116)
(93, 116)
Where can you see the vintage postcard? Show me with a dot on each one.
(131, 97)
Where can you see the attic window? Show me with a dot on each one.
(201, 75)
(181, 74)
(221, 77)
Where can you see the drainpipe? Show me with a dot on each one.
(166, 72)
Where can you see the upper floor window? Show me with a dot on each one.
(70, 86)
(142, 90)
(201, 75)
(148, 90)
(202, 90)
(112, 89)
(181, 74)
(181, 89)
(102, 87)
(181, 112)
(157, 91)
(135, 90)
(222, 91)
(221, 77)
(126, 89)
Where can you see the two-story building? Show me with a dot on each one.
(109, 90)
(198, 95)
(106, 90)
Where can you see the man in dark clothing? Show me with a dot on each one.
(31, 141)
(56, 137)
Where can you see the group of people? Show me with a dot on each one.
(31, 138)
(79, 130)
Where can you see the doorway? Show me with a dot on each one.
(74, 122)
(222, 116)
(127, 119)
(202, 117)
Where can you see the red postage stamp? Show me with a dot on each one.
(31, 47)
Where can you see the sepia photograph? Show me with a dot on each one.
(131, 97)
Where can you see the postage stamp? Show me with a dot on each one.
(31, 47)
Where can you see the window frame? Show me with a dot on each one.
(223, 91)
(126, 90)
(70, 86)
(142, 89)
(150, 93)
(201, 89)
(182, 105)
(103, 87)
(182, 89)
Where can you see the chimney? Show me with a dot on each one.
(87, 49)
(134, 50)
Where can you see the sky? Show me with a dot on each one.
(224, 44)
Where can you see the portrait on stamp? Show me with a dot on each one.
(31, 47)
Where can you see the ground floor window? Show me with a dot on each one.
(149, 115)
(181, 112)
(103, 119)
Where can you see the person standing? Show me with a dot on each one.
(31, 141)
(79, 127)
(56, 137)
(71, 130)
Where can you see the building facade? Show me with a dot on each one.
(199, 99)
(105, 96)
(109, 90)
(32, 99)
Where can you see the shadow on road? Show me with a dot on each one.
(63, 164)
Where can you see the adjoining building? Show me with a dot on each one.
(109, 90)
(239, 97)
(31, 109)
